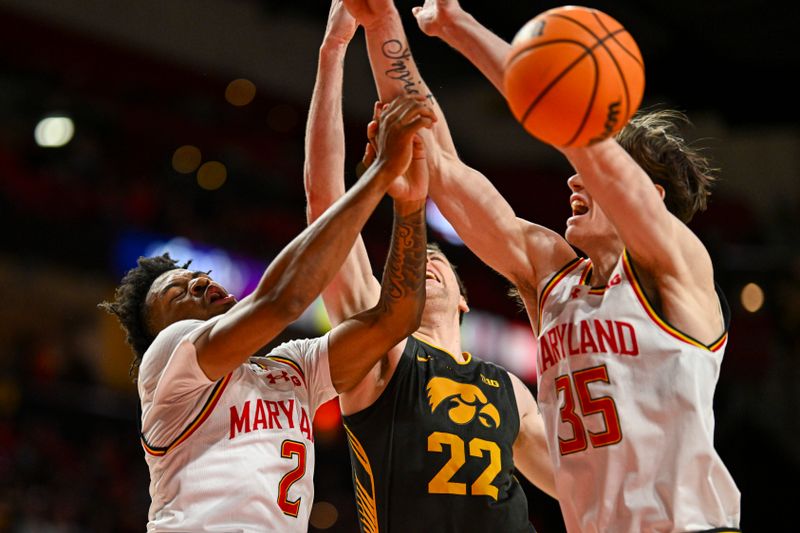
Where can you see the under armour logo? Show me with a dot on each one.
(272, 379)
(576, 291)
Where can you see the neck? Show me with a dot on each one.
(442, 331)
(604, 260)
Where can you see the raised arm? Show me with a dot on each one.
(358, 343)
(675, 267)
(308, 263)
(521, 251)
(354, 288)
(446, 20)
(393, 66)
(526, 252)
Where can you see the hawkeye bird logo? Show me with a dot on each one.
(463, 402)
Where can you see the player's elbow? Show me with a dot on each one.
(317, 201)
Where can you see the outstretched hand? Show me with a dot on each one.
(413, 185)
(370, 12)
(395, 131)
(435, 15)
(341, 25)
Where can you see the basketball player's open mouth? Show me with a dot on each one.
(579, 207)
(431, 275)
(215, 294)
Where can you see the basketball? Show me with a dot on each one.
(574, 76)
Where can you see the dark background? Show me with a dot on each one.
(142, 78)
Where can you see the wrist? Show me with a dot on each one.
(409, 206)
(390, 18)
(455, 26)
(335, 47)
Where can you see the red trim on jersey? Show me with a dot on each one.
(663, 324)
(587, 271)
(558, 276)
(205, 412)
(291, 363)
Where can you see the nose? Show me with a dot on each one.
(575, 183)
(198, 286)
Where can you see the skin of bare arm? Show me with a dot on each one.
(674, 265)
(528, 252)
(530, 448)
(475, 205)
(308, 263)
(446, 20)
(354, 288)
(383, 329)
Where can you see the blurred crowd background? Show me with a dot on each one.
(127, 128)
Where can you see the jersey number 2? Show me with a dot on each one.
(441, 484)
(291, 448)
(603, 405)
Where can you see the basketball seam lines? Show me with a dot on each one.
(616, 64)
(554, 81)
(601, 42)
(587, 52)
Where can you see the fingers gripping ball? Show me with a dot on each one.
(574, 76)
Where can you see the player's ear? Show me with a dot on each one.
(661, 191)
(462, 305)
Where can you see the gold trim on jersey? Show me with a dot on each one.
(587, 274)
(205, 412)
(630, 271)
(554, 279)
(365, 499)
(467, 355)
(289, 362)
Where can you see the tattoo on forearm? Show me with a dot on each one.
(405, 266)
(398, 52)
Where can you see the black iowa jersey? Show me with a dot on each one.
(434, 452)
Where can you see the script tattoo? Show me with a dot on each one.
(395, 50)
(405, 267)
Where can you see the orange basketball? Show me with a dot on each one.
(574, 76)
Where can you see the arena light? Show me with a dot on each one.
(323, 515)
(240, 92)
(54, 131)
(752, 297)
(186, 159)
(212, 175)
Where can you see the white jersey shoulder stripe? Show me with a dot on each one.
(630, 272)
(201, 417)
(552, 282)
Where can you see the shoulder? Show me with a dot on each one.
(165, 343)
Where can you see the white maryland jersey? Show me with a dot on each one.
(235, 455)
(630, 399)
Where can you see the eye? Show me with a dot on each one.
(177, 292)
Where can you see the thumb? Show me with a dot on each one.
(369, 155)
